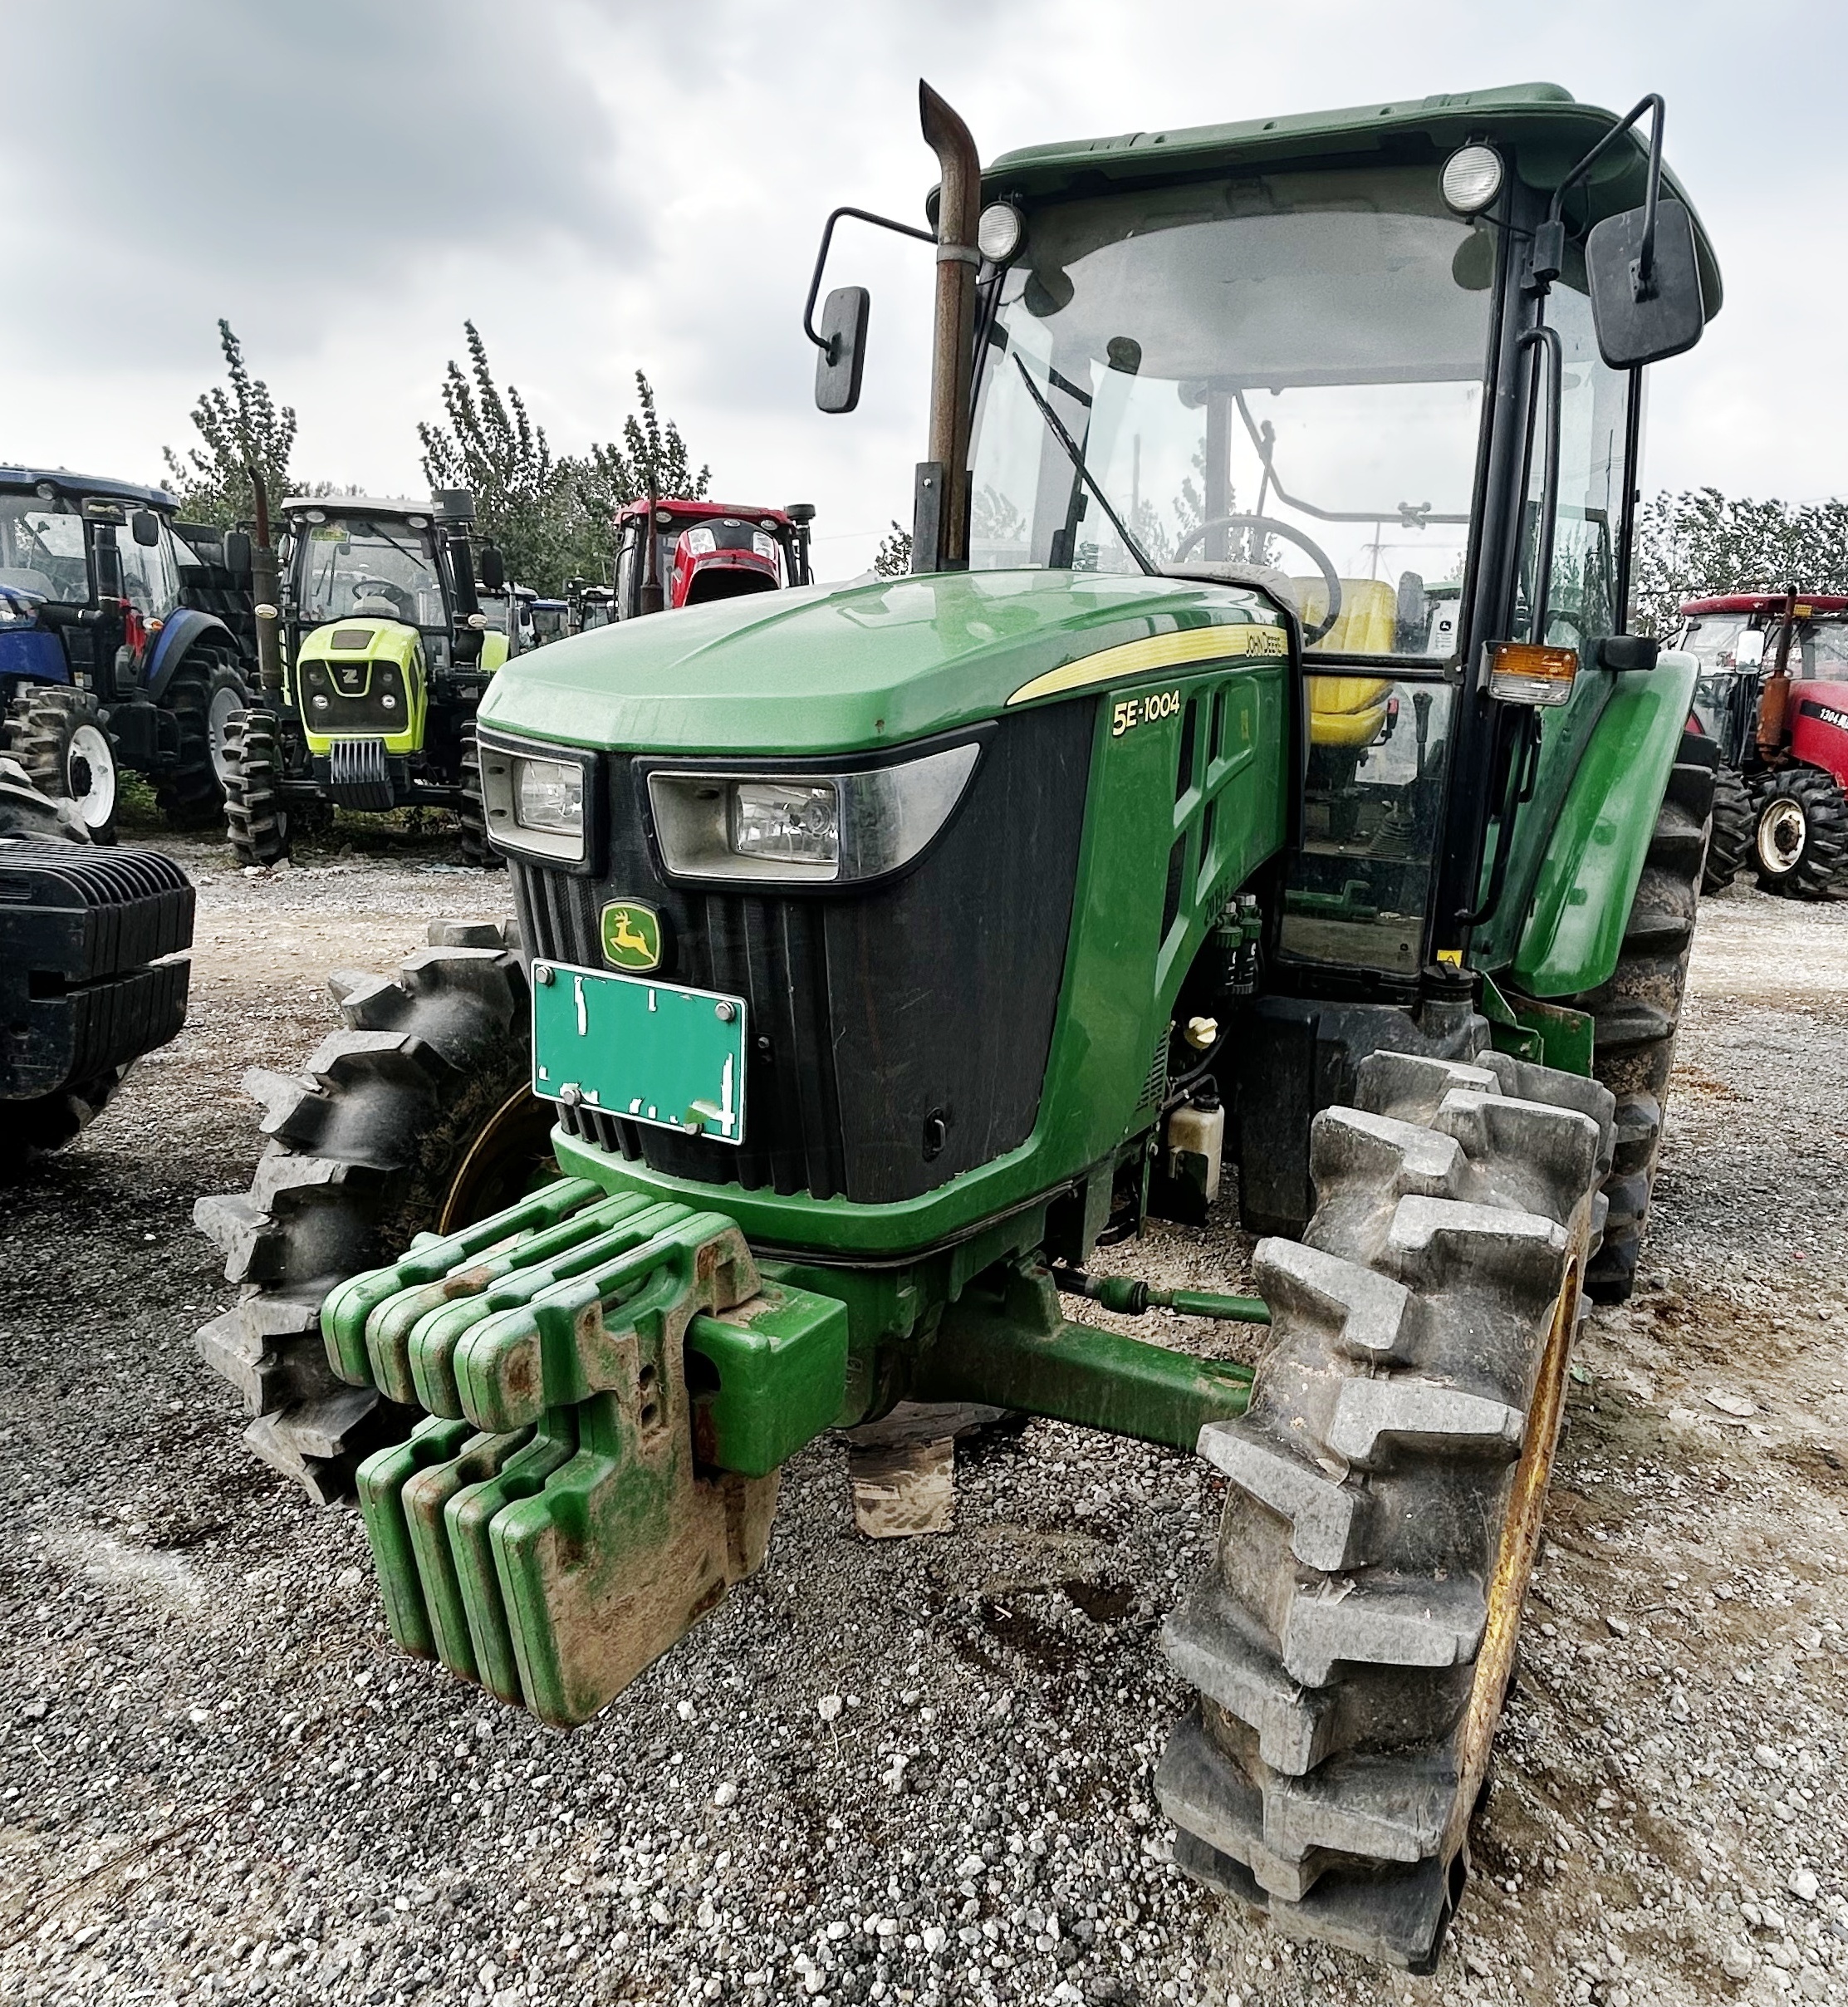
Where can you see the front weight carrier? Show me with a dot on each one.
(572, 1507)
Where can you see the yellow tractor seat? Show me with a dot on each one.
(1367, 622)
(1347, 710)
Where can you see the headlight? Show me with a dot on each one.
(539, 804)
(549, 795)
(807, 828)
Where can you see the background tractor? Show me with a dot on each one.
(890, 953)
(93, 972)
(376, 657)
(1773, 695)
(705, 551)
(125, 641)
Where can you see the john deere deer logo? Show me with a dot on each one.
(631, 936)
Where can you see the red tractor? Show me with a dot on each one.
(1772, 692)
(706, 550)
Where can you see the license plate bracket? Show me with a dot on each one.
(640, 1049)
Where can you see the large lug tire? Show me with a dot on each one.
(1353, 1643)
(256, 824)
(415, 1118)
(58, 734)
(1637, 1013)
(1730, 841)
(472, 815)
(1799, 833)
(206, 695)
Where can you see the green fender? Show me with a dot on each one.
(1581, 902)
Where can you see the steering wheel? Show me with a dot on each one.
(1272, 527)
(383, 588)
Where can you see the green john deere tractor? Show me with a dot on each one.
(373, 650)
(1254, 775)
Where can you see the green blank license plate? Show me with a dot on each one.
(647, 1050)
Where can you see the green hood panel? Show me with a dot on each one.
(842, 669)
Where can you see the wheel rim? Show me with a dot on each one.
(1783, 836)
(226, 704)
(1507, 1586)
(511, 1153)
(90, 775)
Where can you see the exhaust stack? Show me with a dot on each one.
(940, 518)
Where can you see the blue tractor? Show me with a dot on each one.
(127, 640)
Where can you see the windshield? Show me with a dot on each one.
(42, 549)
(1825, 651)
(384, 570)
(1711, 638)
(1282, 369)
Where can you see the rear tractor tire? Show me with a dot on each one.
(473, 814)
(256, 823)
(58, 734)
(416, 1117)
(1637, 1013)
(1353, 1644)
(1800, 837)
(206, 694)
(1731, 841)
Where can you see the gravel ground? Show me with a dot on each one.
(920, 1771)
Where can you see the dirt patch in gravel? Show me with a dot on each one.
(915, 1772)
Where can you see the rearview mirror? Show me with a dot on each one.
(145, 526)
(237, 553)
(842, 360)
(1638, 322)
(1749, 652)
(493, 569)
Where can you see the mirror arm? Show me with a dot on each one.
(884, 223)
(1549, 253)
(1546, 339)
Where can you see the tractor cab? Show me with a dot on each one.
(124, 638)
(381, 651)
(587, 607)
(1743, 639)
(707, 550)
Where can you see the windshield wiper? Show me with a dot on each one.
(1077, 459)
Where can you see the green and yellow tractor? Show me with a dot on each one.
(1253, 790)
(374, 654)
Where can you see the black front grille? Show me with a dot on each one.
(897, 1036)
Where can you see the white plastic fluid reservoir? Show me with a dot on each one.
(1198, 1132)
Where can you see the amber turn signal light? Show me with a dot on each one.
(1528, 672)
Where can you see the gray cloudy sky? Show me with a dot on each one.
(603, 185)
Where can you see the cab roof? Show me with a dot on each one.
(745, 511)
(1765, 602)
(394, 506)
(80, 484)
(1543, 126)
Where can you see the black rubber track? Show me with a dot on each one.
(364, 1144)
(189, 794)
(1325, 1776)
(254, 821)
(1638, 1011)
(1818, 868)
(1731, 841)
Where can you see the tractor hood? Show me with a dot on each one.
(842, 669)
